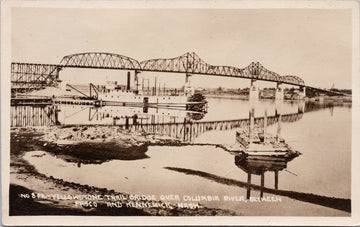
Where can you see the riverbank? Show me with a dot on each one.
(34, 193)
(88, 143)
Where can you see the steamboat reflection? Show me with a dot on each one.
(50, 115)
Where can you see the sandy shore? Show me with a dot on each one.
(81, 144)
(100, 144)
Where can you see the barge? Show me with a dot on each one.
(255, 141)
(262, 144)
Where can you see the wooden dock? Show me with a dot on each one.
(30, 101)
(33, 116)
(86, 102)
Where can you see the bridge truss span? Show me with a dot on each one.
(100, 60)
(191, 63)
(30, 75)
(294, 80)
(27, 74)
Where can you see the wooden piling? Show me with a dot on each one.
(262, 184)
(251, 125)
(278, 132)
(276, 178)
(265, 124)
(248, 187)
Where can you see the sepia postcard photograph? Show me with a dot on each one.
(180, 113)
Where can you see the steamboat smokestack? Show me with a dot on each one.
(128, 82)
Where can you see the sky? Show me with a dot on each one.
(313, 44)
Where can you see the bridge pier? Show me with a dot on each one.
(188, 90)
(253, 94)
(136, 80)
(302, 93)
(279, 92)
(301, 106)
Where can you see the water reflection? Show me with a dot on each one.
(304, 136)
(258, 165)
(133, 115)
(50, 115)
(314, 106)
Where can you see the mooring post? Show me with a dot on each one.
(148, 87)
(126, 122)
(265, 124)
(262, 184)
(159, 90)
(278, 113)
(276, 179)
(142, 85)
(251, 125)
(253, 99)
(184, 129)
(128, 81)
(154, 93)
(248, 187)
(278, 131)
(189, 139)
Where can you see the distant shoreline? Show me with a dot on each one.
(243, 97)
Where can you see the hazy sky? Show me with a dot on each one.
(312, 44)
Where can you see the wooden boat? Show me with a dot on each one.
(262, 144)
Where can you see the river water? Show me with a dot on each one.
(322, 135)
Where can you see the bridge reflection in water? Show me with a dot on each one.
(187, 131)
(174, 123)
(258, 165)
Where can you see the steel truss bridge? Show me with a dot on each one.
(29, 75)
